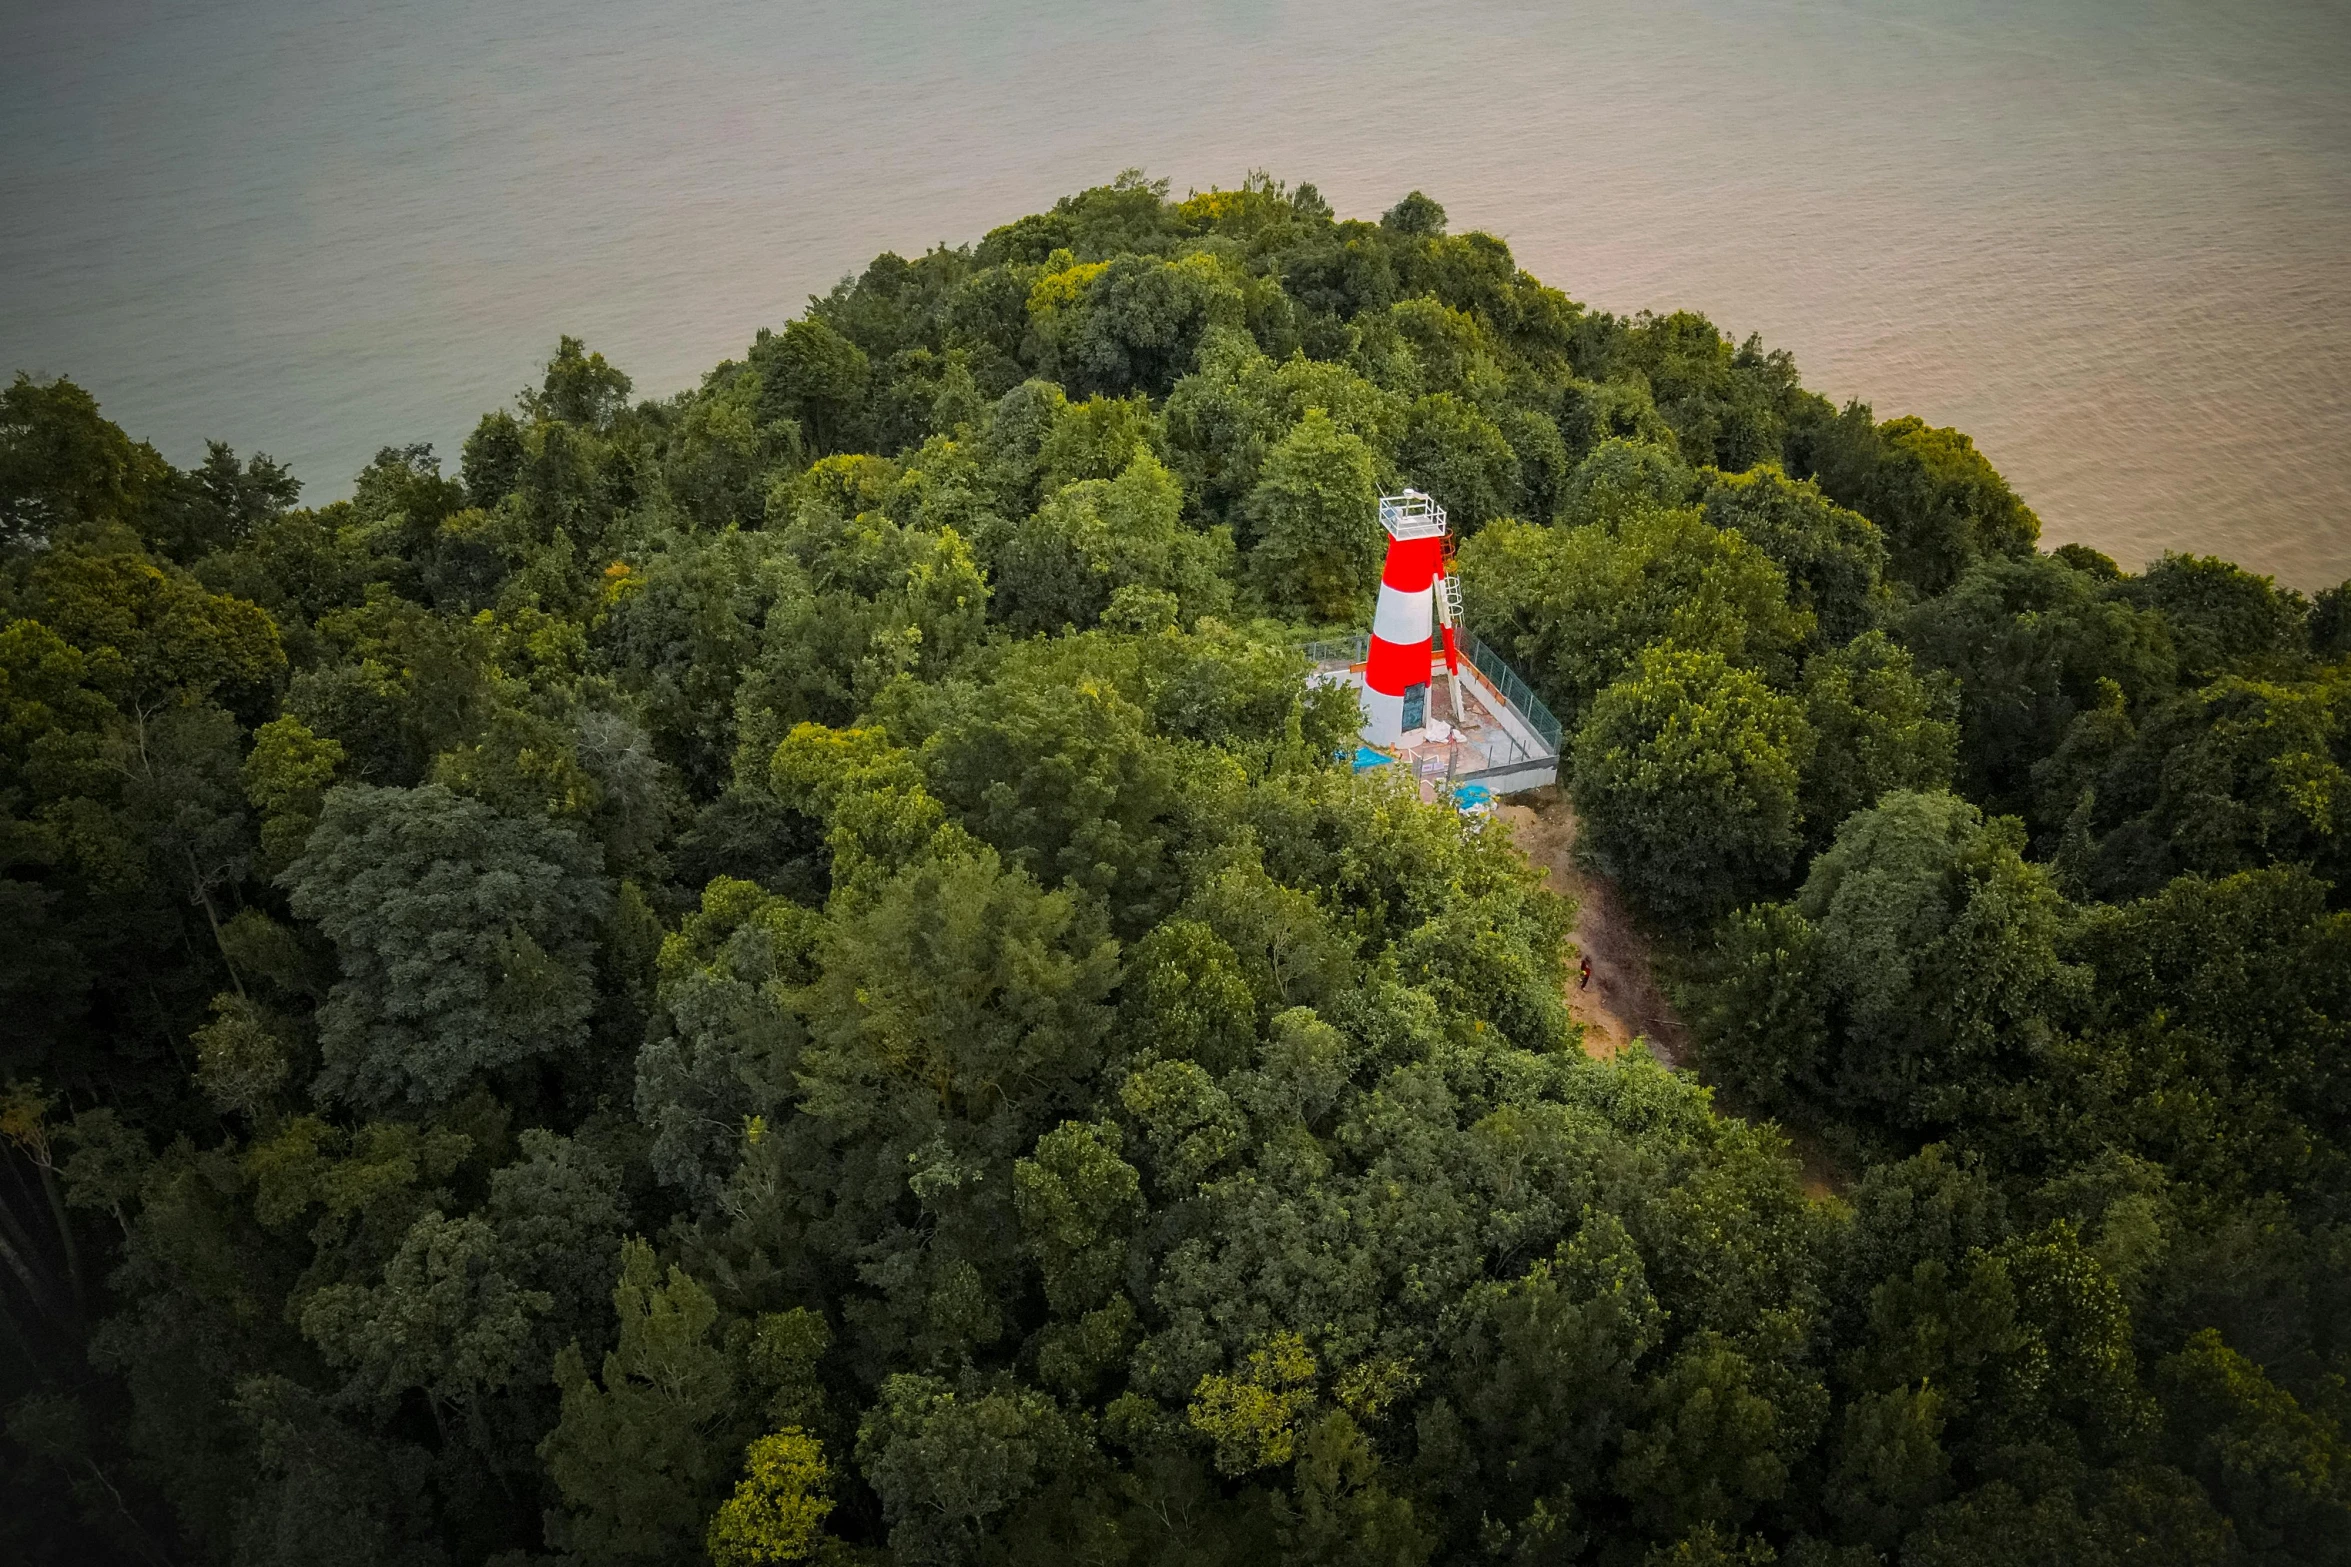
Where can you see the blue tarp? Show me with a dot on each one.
(1366, 758)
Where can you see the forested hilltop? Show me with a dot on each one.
(789, 973)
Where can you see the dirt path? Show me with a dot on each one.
(1623, 1001)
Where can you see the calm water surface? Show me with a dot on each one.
(2109, 238)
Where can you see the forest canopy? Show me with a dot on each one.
(791, 972)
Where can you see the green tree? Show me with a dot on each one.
(1457, 454)
(401, 492)
(1619, 479)
(1834, 559)
(1714, 1448)
(446, 1321)
(1940, 505)
(1057, 767)
(813, 375)
(1185, 993)
(579, 387)
(1313, 514)
(1078, 1203)
(1451, 349)
(2223, 617)
(1576, 607)
(2256, 773)
(720, 1047)
(1729, 406)
(64, 466)
(460, 938)
(1937, 944)
(948, 1460)
(326, 1490)
(159, 636)
(286, 776)
(961, 975)
(1687, 774)
(1077, 1199)
(642, 1454)
(1225, 417)
(2028, 640)
(491, 461)
(1131, 323)
(1876, 727)
(1416, 215)
(2281, 1472)
(1096, 536)
(779, 1507)
(2330, 621)
(222, 502)
(1544, 1375)
(1346, 1508)
(1099, 438)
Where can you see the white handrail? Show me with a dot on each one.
(1411, 515)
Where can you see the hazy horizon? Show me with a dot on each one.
(2107, 240)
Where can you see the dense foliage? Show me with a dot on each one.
(787, 974)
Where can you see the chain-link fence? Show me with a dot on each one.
(1514, 690)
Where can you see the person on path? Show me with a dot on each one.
(1584, 974)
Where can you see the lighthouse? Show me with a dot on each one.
(1500, 738)
(1416, 597)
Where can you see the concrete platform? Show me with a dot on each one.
(1507, 740)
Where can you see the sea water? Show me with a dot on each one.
(2109, 238)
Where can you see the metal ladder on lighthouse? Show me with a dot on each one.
(1449, 616)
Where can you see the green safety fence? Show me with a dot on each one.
(1487, 662)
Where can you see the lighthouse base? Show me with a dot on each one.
(1504, 738)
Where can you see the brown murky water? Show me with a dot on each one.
(2108, 237)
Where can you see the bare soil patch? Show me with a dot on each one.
(1623, 1001)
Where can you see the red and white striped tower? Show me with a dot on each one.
(1405, 620)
